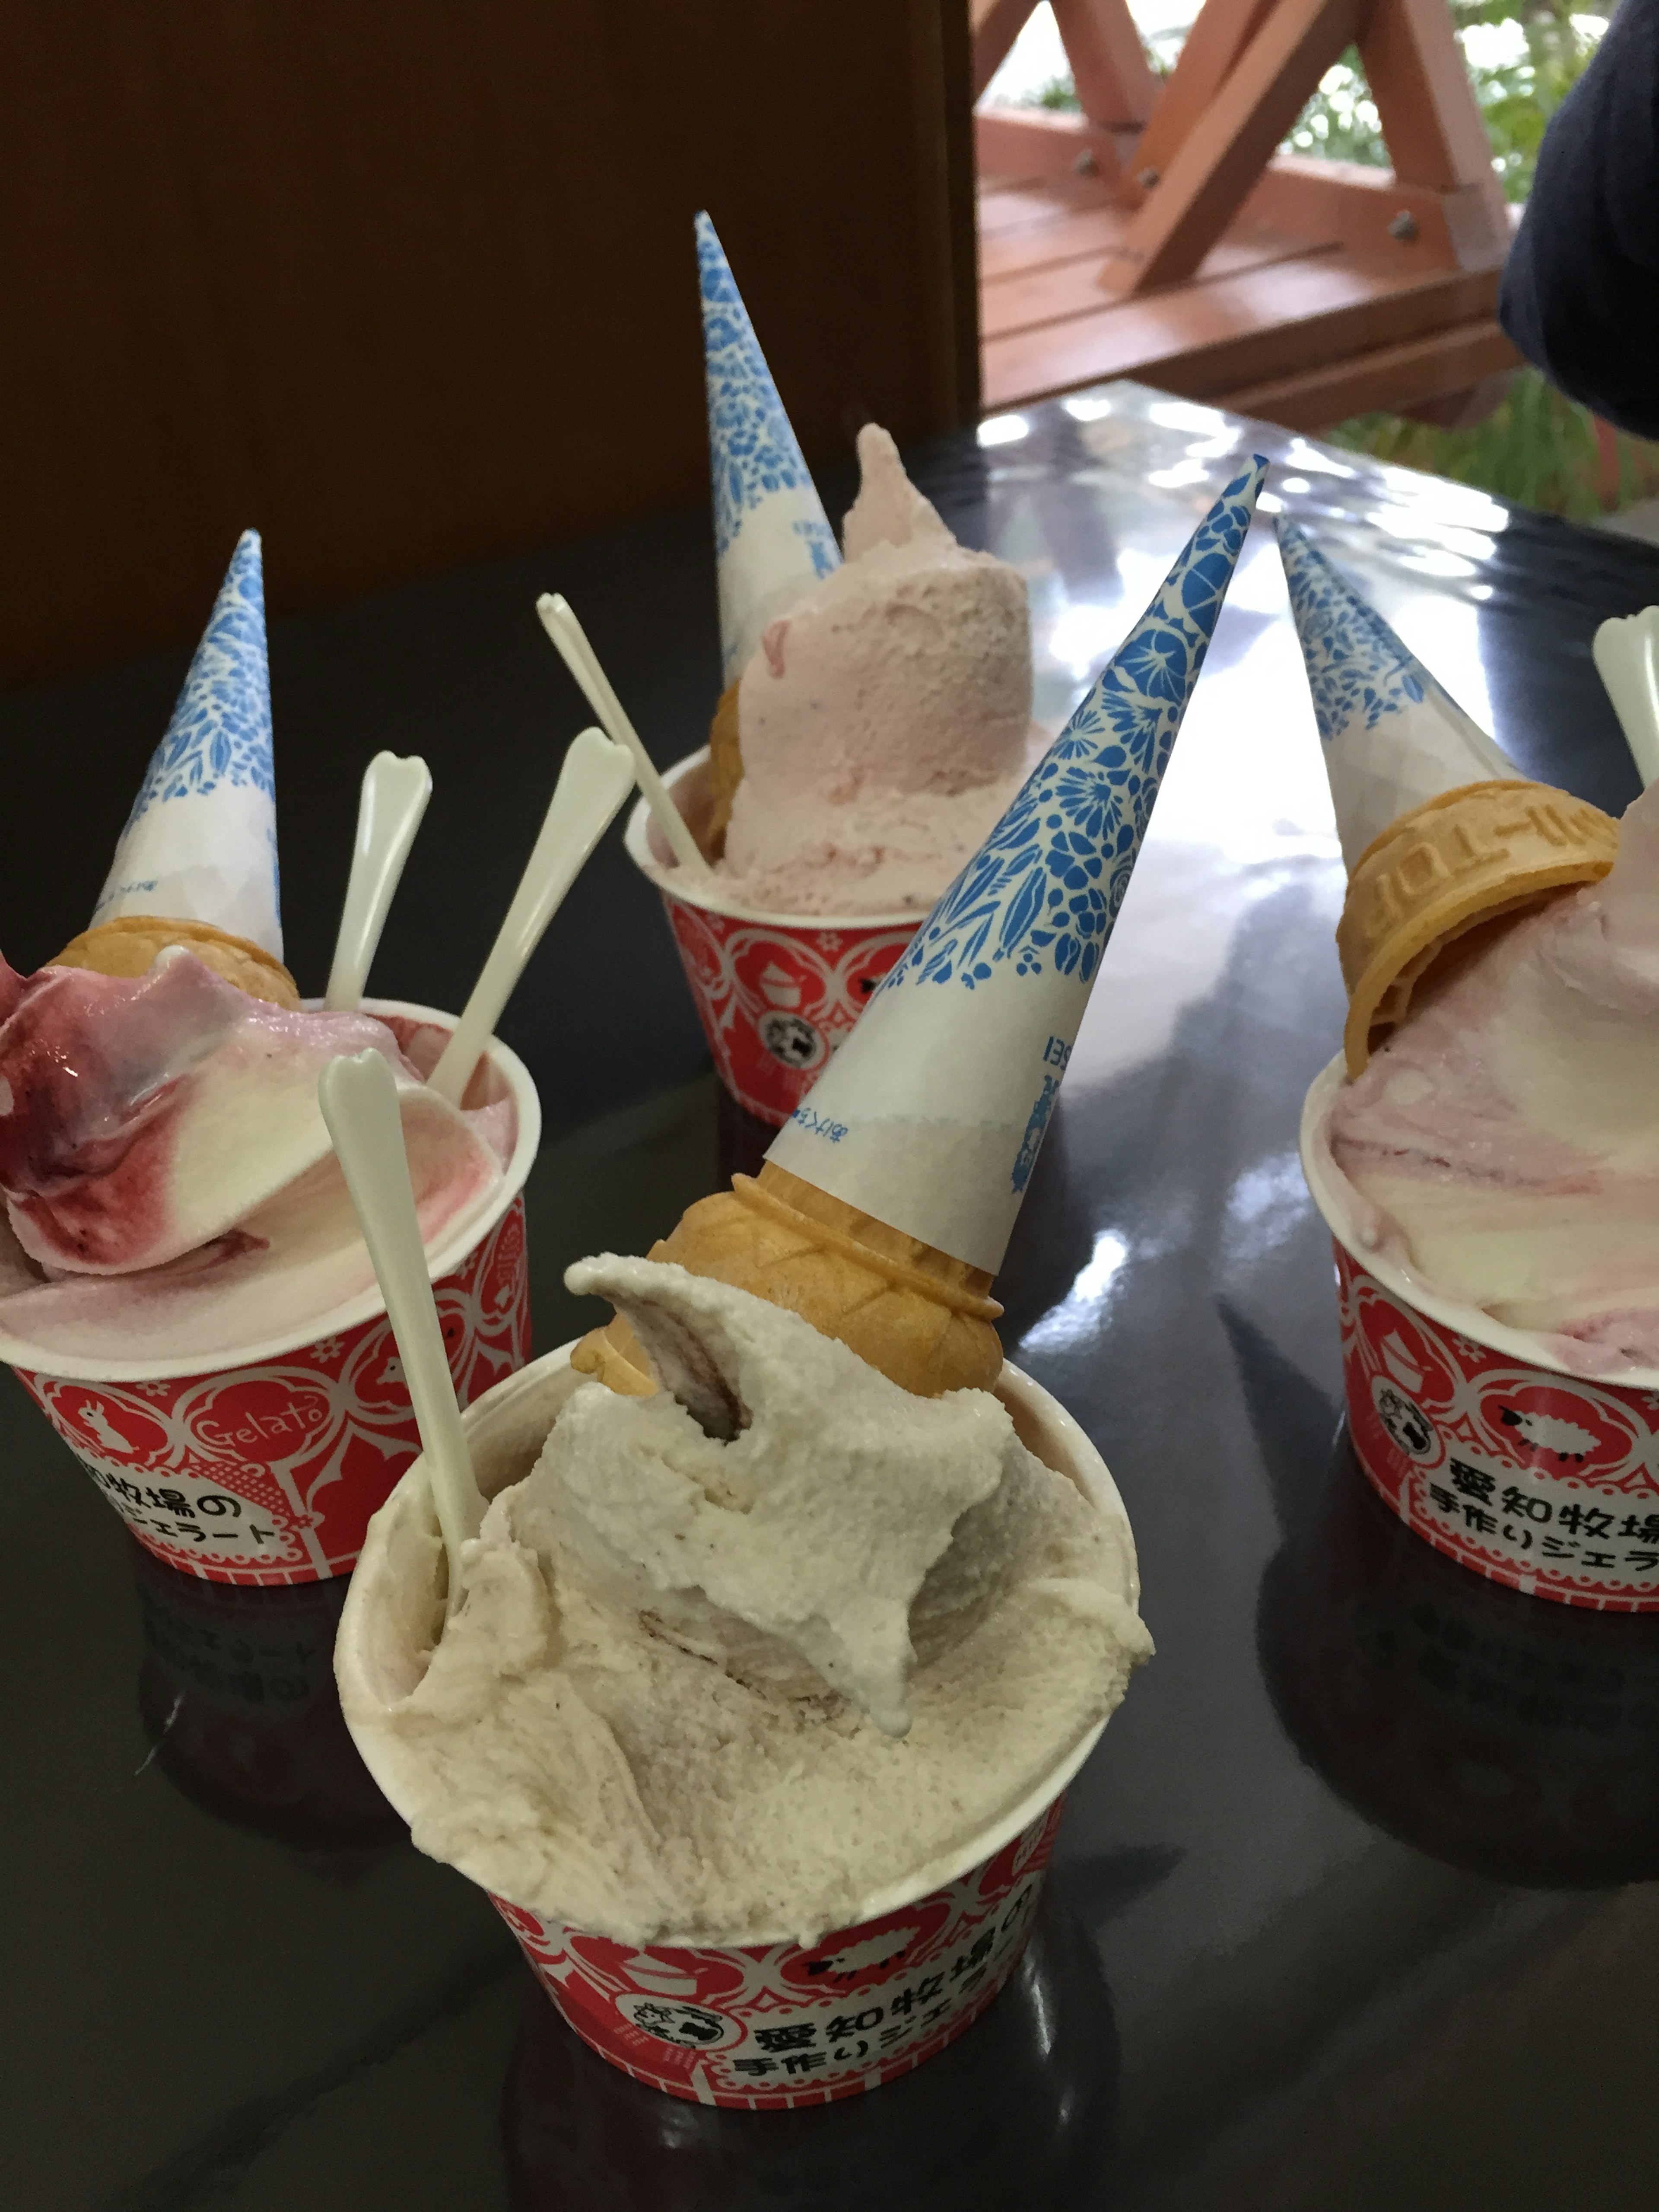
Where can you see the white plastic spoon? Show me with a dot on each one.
(394, 797)
(1626, 652)
(595, 779)
(567, 633)
(359, 1099)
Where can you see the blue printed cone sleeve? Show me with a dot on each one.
(1390, 735)
(930, 1115)
(200, 843)
(772, 538)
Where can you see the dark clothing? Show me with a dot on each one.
(1581, 292)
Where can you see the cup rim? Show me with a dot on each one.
(383, 1754)
(1320, 1174)
(442, 1258)
(636, 839)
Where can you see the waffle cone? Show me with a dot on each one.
(921, 1317)
(129, 944)
(1441, 868)
(725, 770)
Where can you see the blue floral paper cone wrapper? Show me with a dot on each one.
(1391, 735)
(772, 538)
(931, 1114)
(200, 843)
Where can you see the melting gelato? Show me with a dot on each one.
(170, 1186)
(1503, 1144)
(735, 1658)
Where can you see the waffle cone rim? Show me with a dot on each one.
(1409, 950)
(186, 929)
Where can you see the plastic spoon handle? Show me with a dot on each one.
(1627, 660)
(359, 1099)
(579, 658)
(394, 797)
(595, 779)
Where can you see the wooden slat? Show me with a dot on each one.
(1344, 203)
(1415, 71)
(1115, 83)
(1047, 291)
(994, 25)
(1219, 36)
(1222, 155)
(1032, 143)
(1387, 377)
(1203, 339)
(1005, 208)
(1237, 271)
(1069, 235)
(1462, 411)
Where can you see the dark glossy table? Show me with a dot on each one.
(1354, 1906)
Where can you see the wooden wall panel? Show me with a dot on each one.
(406, 286)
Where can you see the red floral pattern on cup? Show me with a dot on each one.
(772, 2027)
(268, 1473)
(1547, 1482)
(776, 998)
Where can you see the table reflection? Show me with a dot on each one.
(236, 1692)
(1020, 2110)
(1504, 1734)
(741, 1140)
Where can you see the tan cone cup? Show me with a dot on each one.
(127, 946)
(1456, 860)
(725, 768)
(921, 1317)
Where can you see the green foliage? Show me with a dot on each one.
(1523, 57)
(1341, 122)
(1536, 448)
(1519, 90)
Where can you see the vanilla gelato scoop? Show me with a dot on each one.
(169, 1185)
(1503, 1144)
(886, 718)
(736, 1657)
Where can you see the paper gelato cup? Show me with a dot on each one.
(1479, 1440)
(765, 2024)
(265, 1468)
(1018, 2112)
(1515, 1741)
(776, 993)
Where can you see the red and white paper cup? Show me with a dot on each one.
(776, 993)
(1477, 1438)
(762, 2022)
(264, 1468)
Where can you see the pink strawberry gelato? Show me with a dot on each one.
(885, 721)
(1502, 1146)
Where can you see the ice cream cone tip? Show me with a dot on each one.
(1390, 734)
(200, 843)
(772, 537)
